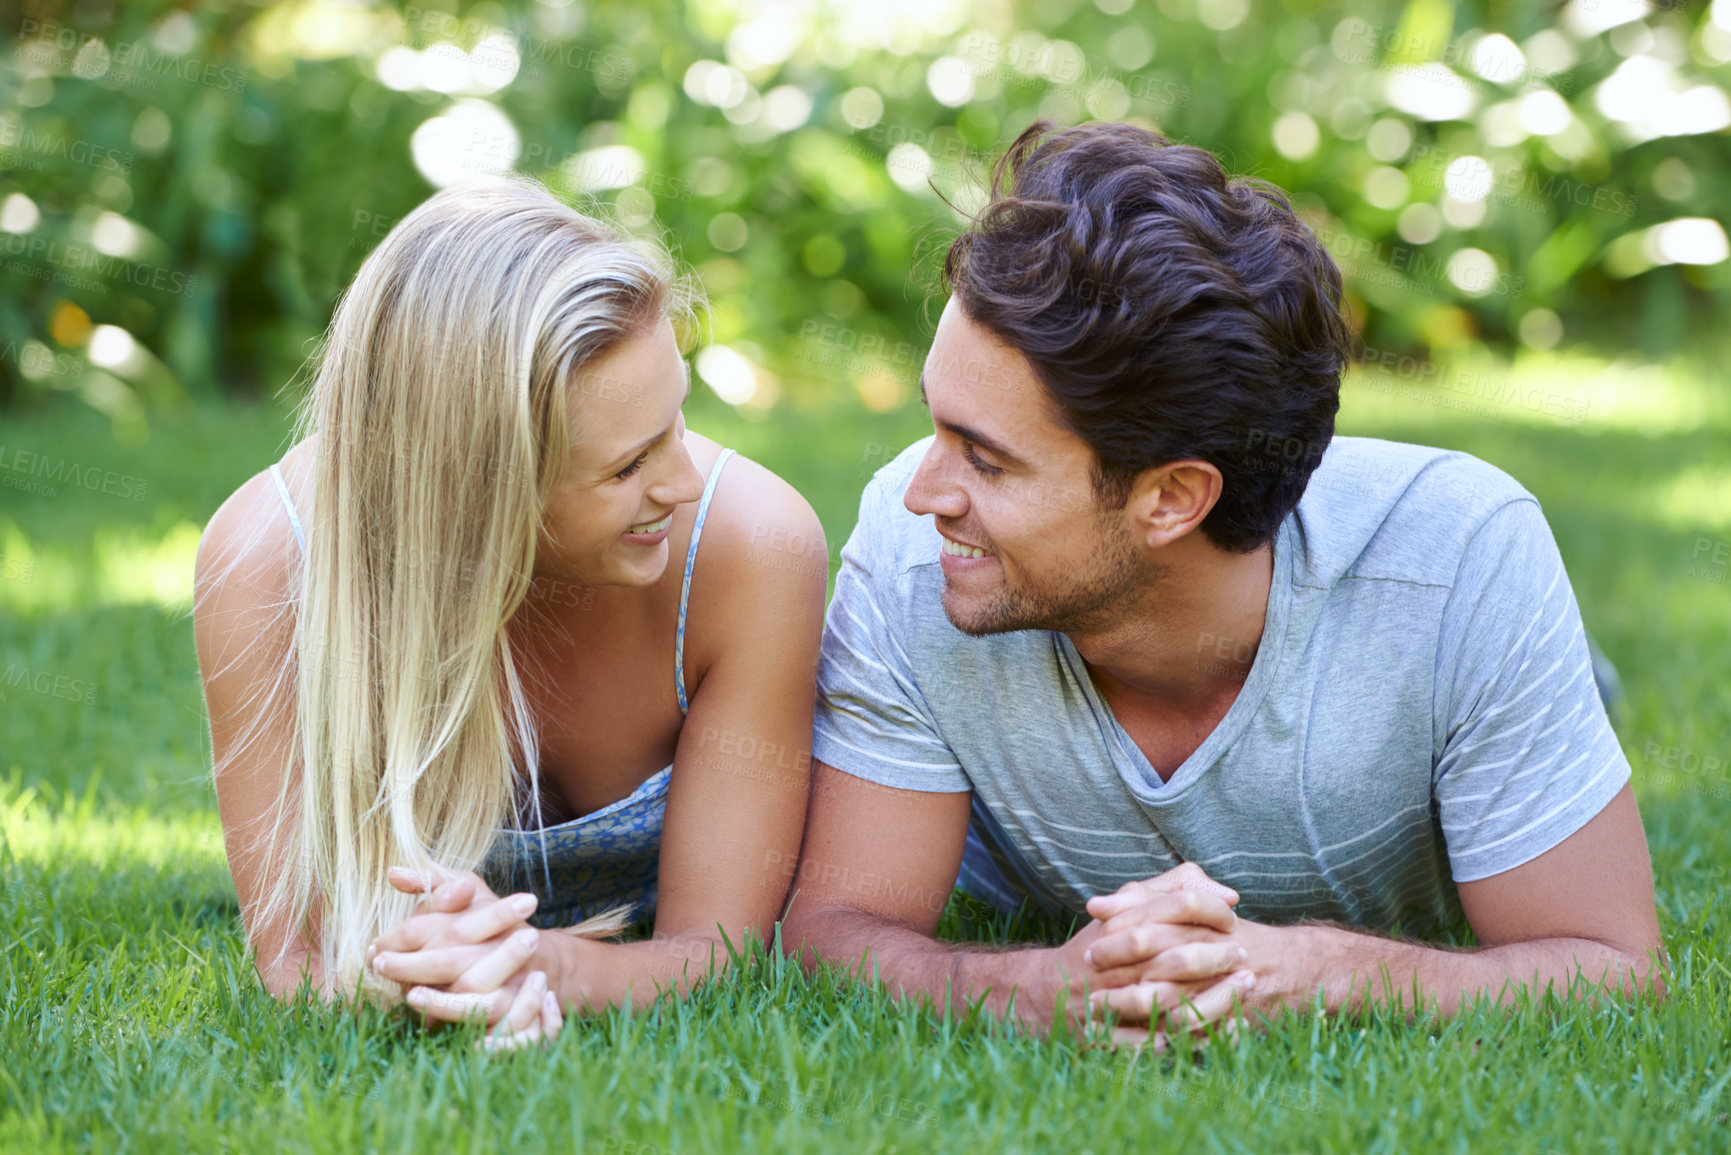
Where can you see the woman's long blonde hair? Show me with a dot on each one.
(440, 403)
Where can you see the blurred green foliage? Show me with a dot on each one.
(185, 190)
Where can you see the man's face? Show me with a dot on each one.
(1026, 545)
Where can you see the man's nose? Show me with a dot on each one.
(932, 489)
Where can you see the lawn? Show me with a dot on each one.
(131, 1019)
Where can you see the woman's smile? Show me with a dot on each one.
(649, 532)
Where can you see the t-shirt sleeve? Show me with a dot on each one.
(872, 719)
(1527, 753)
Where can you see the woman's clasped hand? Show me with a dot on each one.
(465, 953)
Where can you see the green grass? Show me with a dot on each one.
(130, 1020)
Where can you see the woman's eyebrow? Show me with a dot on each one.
(629, 456)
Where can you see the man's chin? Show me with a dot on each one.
(976, 617)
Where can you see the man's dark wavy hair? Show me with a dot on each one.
(1172, 312)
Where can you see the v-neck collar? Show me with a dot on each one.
(1133, 766)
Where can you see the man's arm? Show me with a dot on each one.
(1583, 909)
(876, 870)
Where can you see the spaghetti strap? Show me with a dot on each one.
(685, 586)
(289, 505)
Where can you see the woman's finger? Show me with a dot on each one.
(454, 894)
(416, 932)
(449, 1007)
(435, 967)
(492, 919)
(515, 1042)
(410, 934)
(552, 1017)
(445, 889)
(495, 969)
(406, 880)
(525, 1008)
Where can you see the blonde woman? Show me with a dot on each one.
(500, 646)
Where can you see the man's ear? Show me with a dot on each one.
(1168, 501)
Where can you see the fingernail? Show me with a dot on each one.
(1245, 979)
(371, 951)
(1088, 956)
(377, 962)
(419, 997)
(525, 938)
(1243, 954)
(523, 905)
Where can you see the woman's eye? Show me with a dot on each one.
(975, 461)
(633, 467)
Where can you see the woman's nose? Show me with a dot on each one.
(686, 483)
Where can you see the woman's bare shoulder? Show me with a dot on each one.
(247, 552)
(762, 531)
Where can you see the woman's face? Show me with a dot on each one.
(607, 522)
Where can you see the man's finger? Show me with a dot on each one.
(1191, 962)
(492, 919)
(1172, 882)
(1138, 1037)
(1211, 1004)
(496, 968)
(1141, 1003)
(1140, 942)
(1188, 905)
(1189, 876)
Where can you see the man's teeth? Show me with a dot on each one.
(955, 550)
(652, 526)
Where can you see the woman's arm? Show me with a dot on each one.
(243, 634)
(736, 804)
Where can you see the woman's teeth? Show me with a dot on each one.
(955, 550)
(652, 526)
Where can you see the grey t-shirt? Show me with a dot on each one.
(1421, 710)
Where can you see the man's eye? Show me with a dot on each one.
(633, 467)
(979, 465)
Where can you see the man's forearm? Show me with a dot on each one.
(1351, 969)
(912, 965)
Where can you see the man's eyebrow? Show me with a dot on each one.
(973, 435)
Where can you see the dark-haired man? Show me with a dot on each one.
(1134, 634)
